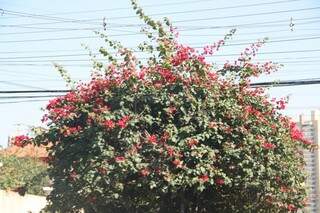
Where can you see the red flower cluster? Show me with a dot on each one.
(54, 103)
(192, 142)
(177, 162)
(120, 159)
(144, 172)
(281, 104)
(152, 139)
(167, 75)
(204, 178)
(291, 208)
(109, 124)
(170, 151)
(219, 181)
(62, 112)
(268, 145)
(182, 55)
(165, 137)
(122, 123)
(20, 140)
(71, 130)
(295, 132)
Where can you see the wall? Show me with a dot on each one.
(11, 202)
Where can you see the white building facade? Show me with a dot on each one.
(310, 126)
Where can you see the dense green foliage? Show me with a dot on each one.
(24, 175)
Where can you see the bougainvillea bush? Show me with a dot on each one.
(172, 133)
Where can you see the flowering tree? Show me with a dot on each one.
(172, 134)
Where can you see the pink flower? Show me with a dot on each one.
(192, 142)
(152, 139)
(295, 133)
(172, 110)
(122, 123)
(167, 75)
(204, 178)
(120, 159)
(144, 172)
(182, 55)
(20, 140)
(72, 130)
(54, 102)
(213, 125)
(268, 145)
(291, 207)
(165, 137)
(219, 181)
(177, 162)
(109, 124)
(306, 142)
(170, 151)
(281, 104)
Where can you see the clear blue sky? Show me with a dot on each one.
(26, 57)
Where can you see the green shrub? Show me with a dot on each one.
(23, 175)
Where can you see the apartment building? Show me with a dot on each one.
(310, 126)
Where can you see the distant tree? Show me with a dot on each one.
(172, 133)
(23, 175)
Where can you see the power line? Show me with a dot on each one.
(33, 91)
(22, 74)
(297, 82)
(36, 16)
(248, 33)
(213, 56)
(23, 63)
(49, 39)
(288, 83)
(45, 65)
(123, 8)
(87, 54)
(157, 5)
(91, 29)
(63, 30)
(276, 23)
(42, 28)
(248, 25)
(48, 31)
(89, 21)
(248, 15)
(28, 97)
(233, 44)
(86, 21)
(192, 20)
(89, 66)
(211, 9)
(81, 50)
(282, 73)
(24, 101)
(274, 52)
(19, 84)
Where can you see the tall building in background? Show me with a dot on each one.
(310, 126)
